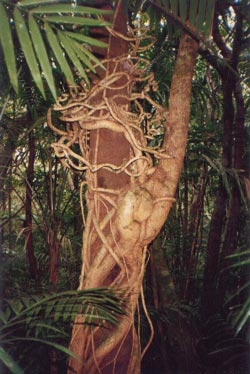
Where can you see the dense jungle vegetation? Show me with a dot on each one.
(193, 313)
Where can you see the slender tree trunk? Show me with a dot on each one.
(186, 202)
(192, 242)
(53, 237)
(217, 228)
(14, 128)
(165, 297)
(28, 211)
(226, 217)
(234, 211)
(161, 294)
(54, 255)
(5, 160)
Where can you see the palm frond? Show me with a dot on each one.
(241, 314)
(41, 53)
(8, 361)
(8, 47)
(44, 318)
(103, 303)
(51, 35)
(27, 47)
(220, 345)
(198, 14)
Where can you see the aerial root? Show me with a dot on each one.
(115, 225)
(94, 109)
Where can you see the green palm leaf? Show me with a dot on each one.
(42, 54)
(72, 54)
(77, 21)
(242, 317)
(47, 315)
(67, 8)
(8, 47)
(199, 13)
(193, 11)
(174, 6)
(49, 18)
(201, 16)
(87, 39)
(209, 18)
(183, 9)
(27, 48)
(58, 52)
(62, 305)
(9, 362)
(91, 56)
(82, 56)
(57, 346)
(36, 2)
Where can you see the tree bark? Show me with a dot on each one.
(28, 211)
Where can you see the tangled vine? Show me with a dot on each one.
(111, 240)
(87, 109)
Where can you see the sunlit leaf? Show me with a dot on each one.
(58, 52)
(201, 14)
(241, 263)
(72, 54)
(242, 317)
(51, 328)
(36, 2)
(77, 21)
(27, 48)
(211, 162)
(209, 17)
(87, 39)
(8, 47)
(42, 55)
(9, 362)
(79, 49)
(16, 306)
(3, 317)
(91, 56)
(239, 254)
(238, 292)
(69, 8)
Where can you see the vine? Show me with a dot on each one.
(114, 252)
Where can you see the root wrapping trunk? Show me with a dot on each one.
(130, 189)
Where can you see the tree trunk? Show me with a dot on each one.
(125, 214)
(157, 281)
(28, 211)
(193, 235)
(128, 198)
(226, 217)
